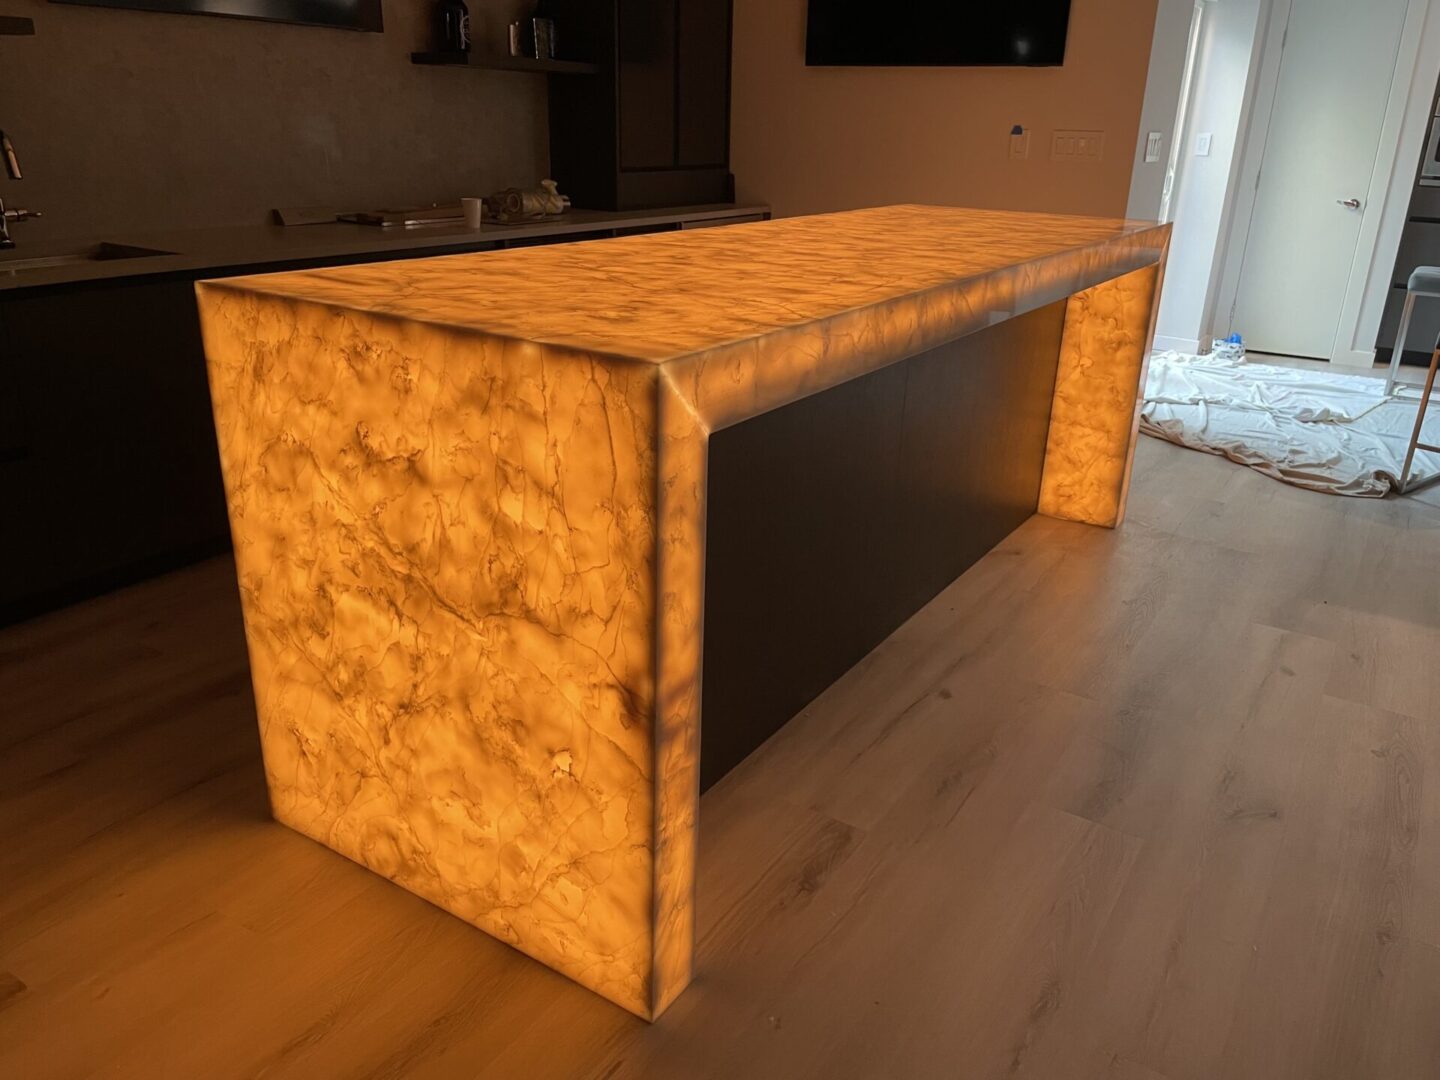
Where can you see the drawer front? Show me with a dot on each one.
(711, 223)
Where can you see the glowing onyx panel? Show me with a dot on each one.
(467, 496)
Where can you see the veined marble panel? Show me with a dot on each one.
(1095, 415)
(468, 501)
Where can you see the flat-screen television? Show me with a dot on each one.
(937, 33)
(347, 14)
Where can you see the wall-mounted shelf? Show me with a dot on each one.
(15, 26)
(504, 63)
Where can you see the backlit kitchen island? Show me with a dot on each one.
(486, 508)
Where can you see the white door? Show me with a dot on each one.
(1320, 153)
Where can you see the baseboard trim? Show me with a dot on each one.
(1354, 358)
(1183, 345)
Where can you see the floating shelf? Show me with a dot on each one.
(504, 63)
(15, 26)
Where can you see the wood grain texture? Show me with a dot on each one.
(1160, 803)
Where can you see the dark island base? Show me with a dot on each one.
(834, 519)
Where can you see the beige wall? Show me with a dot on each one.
(815, 139)
(131, 120)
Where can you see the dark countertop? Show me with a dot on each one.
(247, 246)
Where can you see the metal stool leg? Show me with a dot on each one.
(1415, 442)
(1399, 350)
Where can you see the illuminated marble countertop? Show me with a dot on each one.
(663, 297)
(468, 502)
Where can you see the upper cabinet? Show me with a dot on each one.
(649, 68)
(652, 128)
(703, 86)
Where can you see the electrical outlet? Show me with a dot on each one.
(1072, 145)
(1202, 144)
(1153, 143)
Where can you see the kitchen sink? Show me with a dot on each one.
(102, 252)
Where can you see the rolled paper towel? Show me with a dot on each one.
(518, 204)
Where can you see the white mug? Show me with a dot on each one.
(474, 212)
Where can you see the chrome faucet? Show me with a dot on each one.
(12, 163)
(12, 169)
(7, 216)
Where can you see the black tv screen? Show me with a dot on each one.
(937, 33)
(347, 14)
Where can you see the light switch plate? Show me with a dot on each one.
(1074, 145)
(1202, 144)
(1153, 142)
(1020, 144)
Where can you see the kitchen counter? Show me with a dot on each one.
(239, 247)
(477, 503)
(110, 338)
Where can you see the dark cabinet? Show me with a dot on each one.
(110, 468)
(108, 463)
(703, 85)
(652, 128)
(647, 65)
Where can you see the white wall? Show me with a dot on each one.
(1162, 98)
(1226, 66)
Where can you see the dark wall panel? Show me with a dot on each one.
(834, 519)
(647, 84)
(703, 85)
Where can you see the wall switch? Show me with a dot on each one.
(1019, 142)
(1202, 145)
(1077, 145)
(1153, 140)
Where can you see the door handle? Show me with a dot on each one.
(1349, 204)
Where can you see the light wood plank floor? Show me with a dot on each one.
(1156, 804)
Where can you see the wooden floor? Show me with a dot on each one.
(1156, 804)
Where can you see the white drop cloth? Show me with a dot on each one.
(1314, 429)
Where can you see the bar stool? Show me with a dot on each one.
(1424, 281)
(1415, 443)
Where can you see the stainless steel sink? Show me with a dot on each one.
(101, 252)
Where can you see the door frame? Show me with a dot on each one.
(1403, 131)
